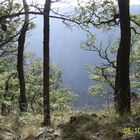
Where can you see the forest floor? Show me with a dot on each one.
(72, 125)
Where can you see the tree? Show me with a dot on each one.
(122, 81)
(106, 15)
(103, 73)
(61, 97)
(8, 26)
(20, 60)
(8, 52)
(21, 43)
(46, 67)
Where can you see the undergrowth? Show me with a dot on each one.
(76, 125)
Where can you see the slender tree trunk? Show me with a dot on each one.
(122, 82)
(20, 61)
(46, 68)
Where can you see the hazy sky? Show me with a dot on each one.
(74, 1)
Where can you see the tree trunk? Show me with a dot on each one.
(46, 68)
(20, 57)
(122, 82)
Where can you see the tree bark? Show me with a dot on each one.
(122, 82)
(46, 68)
(20, 61)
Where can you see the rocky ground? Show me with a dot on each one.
(103, 125)
(83, 127)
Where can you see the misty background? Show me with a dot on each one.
(66, 51)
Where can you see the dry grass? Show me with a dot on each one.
(105, 124)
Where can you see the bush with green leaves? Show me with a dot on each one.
(61, 96)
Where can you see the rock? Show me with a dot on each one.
(97, 136)
(48, 134)
(51, 130)
(57, 133)
(94, 115)
(30, 137)
(78, 119)
(94, 138)
(61, 126)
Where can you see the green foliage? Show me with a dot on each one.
(10, 27)
(61, 96)
(136, 19)
(32, 25)
(9, 84)
(23, 119)
(104, 73)
(135, 64)
(99, 14)
(8, 7)
(105, 15)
